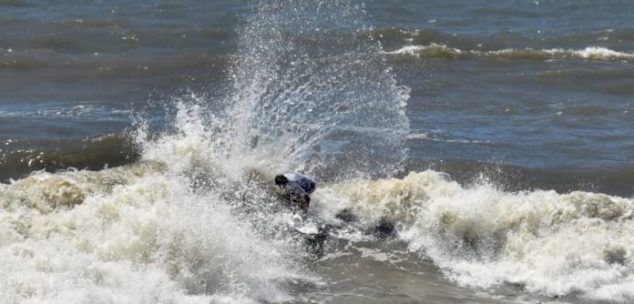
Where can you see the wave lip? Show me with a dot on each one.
(435, 50)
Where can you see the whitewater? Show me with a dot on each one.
(193, 220)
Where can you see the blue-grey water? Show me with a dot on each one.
(543, 84)
(527, 105)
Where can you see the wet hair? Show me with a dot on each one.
(281, 180)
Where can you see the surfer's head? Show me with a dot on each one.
(281, 180)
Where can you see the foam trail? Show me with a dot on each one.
(548, 243)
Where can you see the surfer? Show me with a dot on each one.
(296, 189)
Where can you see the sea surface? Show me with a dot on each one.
(139, 140)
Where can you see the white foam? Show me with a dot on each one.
(551, 244)
(602, 53)
(408, 49)
(590, 52)
(418, 49)
(168, 229)
(136, 234)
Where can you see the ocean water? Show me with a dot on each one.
(138, 143)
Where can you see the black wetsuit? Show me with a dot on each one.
(297, 189)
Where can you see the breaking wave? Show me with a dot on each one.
(189, 221)
(435, 50)
(139, 233)
(547, 243)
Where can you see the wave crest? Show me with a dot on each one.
(435, 50)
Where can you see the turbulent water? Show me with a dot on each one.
(139, 144)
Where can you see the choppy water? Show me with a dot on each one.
(138, 141)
